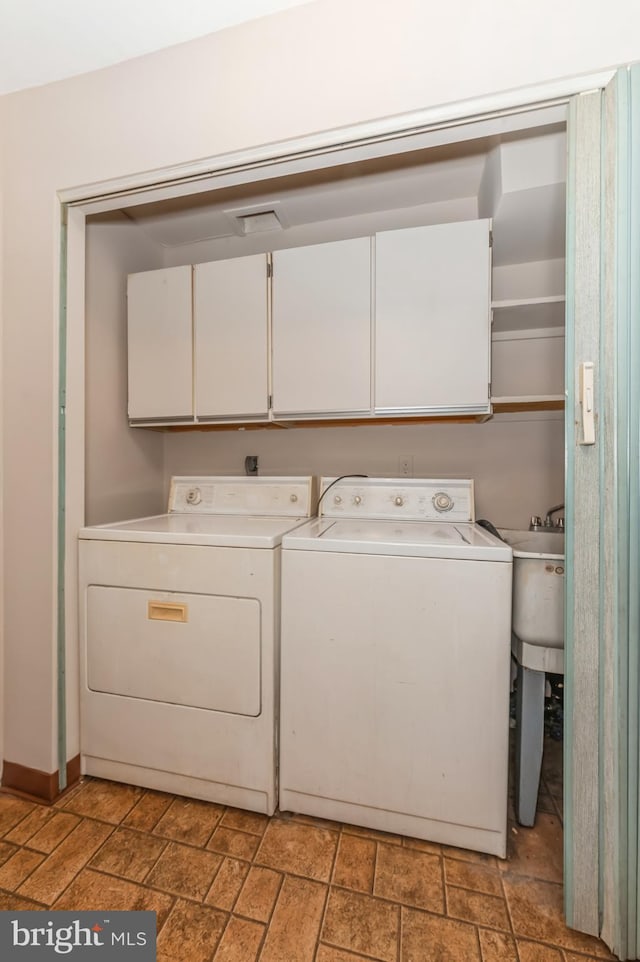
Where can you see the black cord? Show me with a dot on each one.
(341, 478)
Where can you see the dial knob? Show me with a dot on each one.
(357, 499)
(442, 501)
(337, 499)
(194, 496)
(293, 498)
(399, 501)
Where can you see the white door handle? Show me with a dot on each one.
(587, 403)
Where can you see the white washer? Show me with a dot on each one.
(395, 663)
(179, 635)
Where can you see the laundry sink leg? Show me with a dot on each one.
(529, 741)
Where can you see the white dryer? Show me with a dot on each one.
(179, 635)
(395, 663)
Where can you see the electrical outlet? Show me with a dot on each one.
(405, 466)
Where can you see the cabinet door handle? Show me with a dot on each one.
(167, 611)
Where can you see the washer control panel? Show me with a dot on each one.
(287, 497)
(411, 499)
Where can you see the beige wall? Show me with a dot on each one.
(518, 466)
(319, 66)
(2, 674)
(123, 468)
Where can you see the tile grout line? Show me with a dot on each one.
(24, 898)
(359, 954)
(24, 819)
(29, 874)
(325, 907)
(509, 915)
(488, 895)
(173, 905)
(12, 828)
(479, 943)
(126, 878)
(192, 899)
(143, 831)
(396, 902)
(213, 882)
(215, 827)
(220, 938)
(478, 924)
(237, 895)
(271, 914)
(20, 846)
(375, 867)
(265, 932)
(275, 901)
(443, 879)
(171, 838)
(32, 848)
(152, 833)
(82, 867)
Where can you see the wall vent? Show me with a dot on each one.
(256, 219)
(255, 223)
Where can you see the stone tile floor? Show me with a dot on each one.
(233, 886)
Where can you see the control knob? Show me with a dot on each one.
(399, 501)
(337, 499)
(442, 501)
(357, 499)
(194, 496)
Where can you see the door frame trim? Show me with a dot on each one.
(398, 133)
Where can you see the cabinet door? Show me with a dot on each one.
(432, 329)
(230, 323)
(322, 328)
(160, 345)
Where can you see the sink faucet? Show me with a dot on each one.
(548, 523)
(536, 523)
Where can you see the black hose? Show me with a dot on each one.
(491, 528)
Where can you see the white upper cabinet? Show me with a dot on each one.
(321, 329)
(222, 342)
(160, 345)
(432, 319)
(230, 338)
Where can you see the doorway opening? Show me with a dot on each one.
(515, 175)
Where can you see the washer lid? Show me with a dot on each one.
(420, 539)
(224, 531)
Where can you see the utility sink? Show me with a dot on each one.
(538, 586)
(537, 642)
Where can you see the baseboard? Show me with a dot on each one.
(35, 785)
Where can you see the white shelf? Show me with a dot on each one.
(532, 313)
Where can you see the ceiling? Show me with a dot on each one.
(46, 40)
(414, 179)
(517, 179)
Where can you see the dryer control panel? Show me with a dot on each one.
(286, 497)
(387, 499)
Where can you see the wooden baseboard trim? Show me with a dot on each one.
(37, 786)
